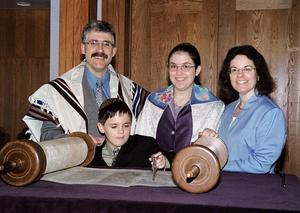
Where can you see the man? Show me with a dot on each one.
(70, 103)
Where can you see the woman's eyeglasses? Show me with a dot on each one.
(246, 70)
(183, 67)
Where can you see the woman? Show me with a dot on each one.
(252, 126)
(175, 115)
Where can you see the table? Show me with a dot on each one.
(235, 192)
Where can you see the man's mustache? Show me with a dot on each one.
(99, 54)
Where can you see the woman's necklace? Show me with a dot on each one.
(239, 106)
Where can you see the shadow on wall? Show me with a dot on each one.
(23, 134)
(4, 137)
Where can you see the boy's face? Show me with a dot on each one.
(116, 129)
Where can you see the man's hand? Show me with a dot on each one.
(97, 140)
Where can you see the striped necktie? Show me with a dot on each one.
(99, 93)
(115, 153)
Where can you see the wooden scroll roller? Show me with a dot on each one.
(197, 167)
(24, 162)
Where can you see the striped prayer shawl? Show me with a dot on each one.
(38, 111)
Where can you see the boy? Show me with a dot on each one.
(120, 149)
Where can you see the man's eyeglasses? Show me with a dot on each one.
(96, 43)
(183, 68)
(245, 70)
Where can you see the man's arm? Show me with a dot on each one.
(50, 131)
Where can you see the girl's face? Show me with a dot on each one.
(243, 76)
(182, 71)
(116, 129)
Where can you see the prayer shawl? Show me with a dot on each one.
(206, 110)
(61, 101)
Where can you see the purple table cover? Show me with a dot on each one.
(235, 192)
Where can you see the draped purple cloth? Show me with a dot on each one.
(235, 193)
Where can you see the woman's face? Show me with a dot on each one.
(243, 76)
(182, 71)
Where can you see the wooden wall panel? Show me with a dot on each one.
(158, 25)
(267, 31)
(24, 63)
(114, 12)
(209, 44)
(73, 17)
(25, 52)
(226, 29)
(140, 43)
(292, 158)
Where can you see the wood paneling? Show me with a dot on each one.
(292, 158)
(73, 17)
(263, 4)
(114, 12)
(140, 43)
(227, 29)
(157, 26)
(24, 63)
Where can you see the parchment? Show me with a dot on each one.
(111, 177)
(64, 153)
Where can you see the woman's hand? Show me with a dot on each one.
(207, 132)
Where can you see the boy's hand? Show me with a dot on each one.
(160, 160)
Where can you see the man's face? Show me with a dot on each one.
(98, 50)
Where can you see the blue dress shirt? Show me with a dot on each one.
(92, 80)
(256, 137)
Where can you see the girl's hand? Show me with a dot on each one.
(208, 133)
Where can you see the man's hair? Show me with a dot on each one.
(110, 107)
(97, 26)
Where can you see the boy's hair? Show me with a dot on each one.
(110, 107)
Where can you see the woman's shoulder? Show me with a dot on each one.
(202, 94)
(265, 103)
(161, 97)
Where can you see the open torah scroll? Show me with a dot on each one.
(111, 177)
